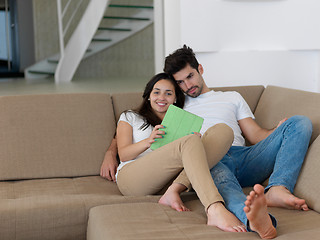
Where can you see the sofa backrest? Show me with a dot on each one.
(55, 135)
(277, 103)
(126, 101)
(251, 94)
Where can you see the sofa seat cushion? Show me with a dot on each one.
(154, 221)
(54, 208)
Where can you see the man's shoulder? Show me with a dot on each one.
(226, 93)
(212, 97)
(224, 96)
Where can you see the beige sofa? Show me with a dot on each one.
(51, 149)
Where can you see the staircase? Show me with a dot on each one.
(96, 31)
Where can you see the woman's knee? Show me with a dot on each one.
(221, 131)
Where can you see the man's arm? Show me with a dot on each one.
(253, 132)
(110, 163)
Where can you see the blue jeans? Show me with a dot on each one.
(279, 156)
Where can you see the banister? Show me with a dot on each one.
(66, 28)
(60, 28)
(78, 43)
(86, 39)
(66, 8)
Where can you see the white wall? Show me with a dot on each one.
(249, 42)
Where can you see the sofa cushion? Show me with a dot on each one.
(277, 103)
(125, 101)
(55, 135)
(154, 221)
(54, 208)
(307, 186)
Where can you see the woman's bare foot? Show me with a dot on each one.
(220, 217)
(279, 196)
(172, 197)
(257, 213)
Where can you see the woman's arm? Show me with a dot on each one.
(128, 150)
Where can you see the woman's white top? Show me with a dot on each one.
(138, 134)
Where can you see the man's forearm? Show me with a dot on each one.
(113, 149)
(268, 132)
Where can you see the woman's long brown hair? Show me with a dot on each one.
(145, 110)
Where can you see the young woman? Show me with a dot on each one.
(184, 161)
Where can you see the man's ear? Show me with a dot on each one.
(200, 69)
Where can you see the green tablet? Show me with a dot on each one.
(178, 123)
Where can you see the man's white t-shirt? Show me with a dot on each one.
(220, 107)
(136, 121)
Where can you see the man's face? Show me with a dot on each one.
(190, 80)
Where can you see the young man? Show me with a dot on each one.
(276, 153)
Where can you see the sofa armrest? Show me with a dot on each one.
(308, 186)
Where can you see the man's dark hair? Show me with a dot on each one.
(179, 60)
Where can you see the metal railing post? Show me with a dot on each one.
(60, 28)
(8, 35)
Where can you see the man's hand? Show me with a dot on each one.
(282, 121)
(110, 162)
(109, 167)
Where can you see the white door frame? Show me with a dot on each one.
(167, 30)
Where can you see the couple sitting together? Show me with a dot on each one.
(215, 162)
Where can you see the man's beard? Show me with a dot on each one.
(196, 93)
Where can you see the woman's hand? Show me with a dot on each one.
(198, 134)
(156, 133)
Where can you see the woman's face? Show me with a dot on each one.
(161, 96)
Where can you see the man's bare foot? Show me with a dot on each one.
(279, 196)
(257, 213)
(220, 217)
(172, 197)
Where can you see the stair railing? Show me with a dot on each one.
(72, 53)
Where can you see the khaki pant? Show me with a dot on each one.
(187, 160)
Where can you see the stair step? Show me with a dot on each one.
(115, 29)
(127, 24)
(129, 6)
(127, 18)
(54, 61)
(101, 40)
(41, 72)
